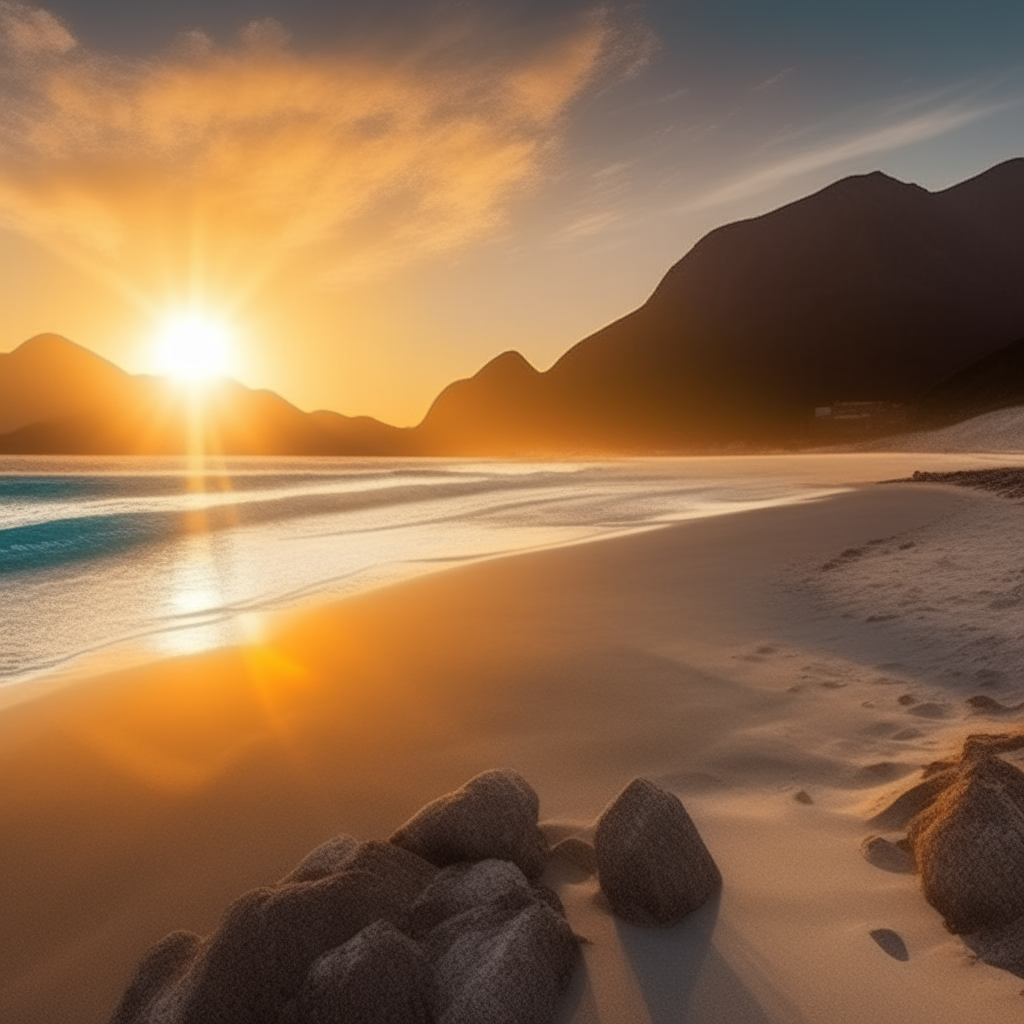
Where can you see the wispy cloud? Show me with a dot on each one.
(768, 83)
(833, 152)
(215, 162)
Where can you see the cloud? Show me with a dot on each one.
(30, 30)
(219, 162)
(905, 132)
(768, 83)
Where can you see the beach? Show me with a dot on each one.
(736, 660)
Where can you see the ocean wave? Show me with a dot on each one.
(128, 553)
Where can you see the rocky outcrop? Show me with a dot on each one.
(969, 846)
(493, 816)
(446, 923)
(966, 836)
(324, 860)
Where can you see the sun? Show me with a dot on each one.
(193, 347)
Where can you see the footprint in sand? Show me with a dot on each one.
(981, 704)
(908, 734)
(930, 710)
(889, 942)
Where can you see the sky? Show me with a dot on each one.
(376, 199)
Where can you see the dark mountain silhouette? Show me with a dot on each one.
(64, 399)
(870, 290)
(995, 381)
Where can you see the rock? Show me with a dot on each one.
(969, 844)
(900, 812)
(887, 856)
(506, 962)
(577, 852)
(1002, 947)
(379, 976)
(803, 797)
(493, 816)
(258, 958)
(652, 863)
(323, 861)
(462, 887)
(407, 873)
(165, 963)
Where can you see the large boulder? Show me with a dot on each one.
(493, 816)
(379, 976)
(652, 864)
(325, 860)
(507, 961)
(164, 964)
(258, 959)
(461, 887)
(969, 844)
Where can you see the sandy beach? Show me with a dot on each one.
(736, 661)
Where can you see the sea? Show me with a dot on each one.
(115, 561)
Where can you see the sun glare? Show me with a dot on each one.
(193, 347)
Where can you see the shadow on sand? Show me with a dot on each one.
(682, 975)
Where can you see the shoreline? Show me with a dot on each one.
(698, 654)
(812, 471)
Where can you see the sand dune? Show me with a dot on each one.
(781, 700)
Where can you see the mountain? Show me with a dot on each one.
(869, 290)
(59, 398)
(995, 381)
(872, 293)
(49, 376)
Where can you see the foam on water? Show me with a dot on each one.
(140, 558)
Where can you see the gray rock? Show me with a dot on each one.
(887, 856)
(324, 860)
(493, 816)
(379, 977)
(165, 963)
(461, 887)
(506, 962)
(652, 863)
(258, 958)
(969, 845)
(1002, 947)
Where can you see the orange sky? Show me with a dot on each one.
(375, 219)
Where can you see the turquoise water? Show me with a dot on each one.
(138, 558)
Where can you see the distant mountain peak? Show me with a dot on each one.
(872, 183)
(509, 366)
(46, 341)
(59, 350)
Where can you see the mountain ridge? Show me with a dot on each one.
(870, 289)
(117, 413)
